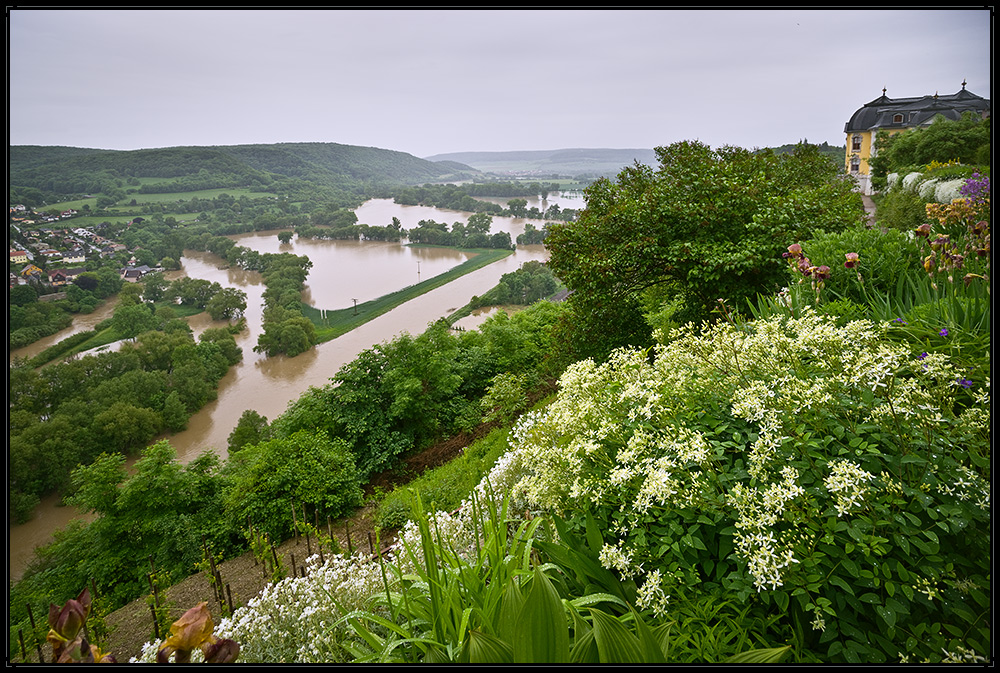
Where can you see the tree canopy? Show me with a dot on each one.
(966, 140)
(707, 225)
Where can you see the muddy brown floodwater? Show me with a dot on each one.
(342, 271)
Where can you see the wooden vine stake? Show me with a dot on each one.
(34, 633)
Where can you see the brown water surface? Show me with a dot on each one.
(342, 271)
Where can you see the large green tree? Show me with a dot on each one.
(706, 225)
(266, 480)
(966, 140)
(159, 512)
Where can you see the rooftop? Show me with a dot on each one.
(885, 112)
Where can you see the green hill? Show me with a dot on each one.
(281, 168)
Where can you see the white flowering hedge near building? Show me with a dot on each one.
(929, 189)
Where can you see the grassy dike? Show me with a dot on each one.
(332, 324)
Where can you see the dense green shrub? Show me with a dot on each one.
(820, 472)
(530, 283)
(447, 486)
(901, 209)
(264, 482)
(884, 258)
(403, 394)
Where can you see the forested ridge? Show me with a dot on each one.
(69, 170)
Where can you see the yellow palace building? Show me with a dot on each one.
(892, 115)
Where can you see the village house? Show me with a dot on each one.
(133, 274)
(18, 256)
(32, 272)
(111, 249)
(894, 115)
(59, 277)
(74, 256)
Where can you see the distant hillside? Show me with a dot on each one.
(834, 152)
(570, 162)
(283, 167)
(575, 162)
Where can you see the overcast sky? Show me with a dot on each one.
(430, 82)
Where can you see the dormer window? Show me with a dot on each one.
(897, 119)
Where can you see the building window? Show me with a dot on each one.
(855, 164)
(856, 143)
(897, 119)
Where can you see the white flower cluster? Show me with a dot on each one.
(651, 595)
(293, 620)
(968, 485)
(454, 530)
(849, 484)
(949, 190)
(758, 512)
(614, 557)
(977, 419)
(613, 436)
(766, 557)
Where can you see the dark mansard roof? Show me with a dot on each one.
(884, 112)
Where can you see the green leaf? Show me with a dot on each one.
(781, 598)
(697, 543)
(654, 649)
(870, 598)
(486, 649)
(843, 584)
(771, 655)
(510, 607)
(888, 615)
(542, 635)
(615, 643)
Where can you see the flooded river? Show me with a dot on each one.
(342, 271)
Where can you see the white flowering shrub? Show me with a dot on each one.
(295, 619)
(926, 189)
(948, 191)
(911, 181)
(789, 464)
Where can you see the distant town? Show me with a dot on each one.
(53, 255)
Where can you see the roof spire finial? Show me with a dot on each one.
(963, 83)
(883, 91)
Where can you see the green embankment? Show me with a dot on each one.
(332, 324)
(103, 335)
